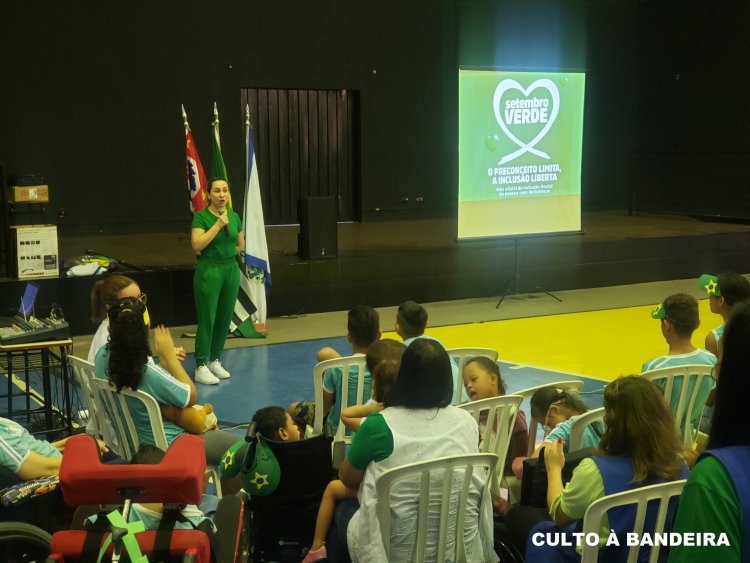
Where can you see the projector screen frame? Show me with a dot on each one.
(576, 180)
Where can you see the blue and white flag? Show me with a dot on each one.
(258, 279)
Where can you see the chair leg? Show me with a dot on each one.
(338, 453)
(214, 475)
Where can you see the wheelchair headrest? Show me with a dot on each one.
(252, 430)
(84, 479)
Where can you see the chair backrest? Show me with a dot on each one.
(640, 497)
(84, 373)
(345, 364)
(498, 416)
(445, 482)
(573, 385)
(120, 417)
(284, 521)
(459, 357)
(579, 426)
(686, 401)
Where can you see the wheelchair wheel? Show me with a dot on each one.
(23, 543)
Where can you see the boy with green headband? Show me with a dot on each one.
(724, 292)
(678, 314)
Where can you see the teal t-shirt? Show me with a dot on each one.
(590, 437)
(697, 357)
(332, 381)
(158, 383)
(223, 247)
(16, 443)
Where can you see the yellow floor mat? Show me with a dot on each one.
(599, 344)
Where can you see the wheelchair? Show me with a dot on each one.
(177, 480)
(282, 524)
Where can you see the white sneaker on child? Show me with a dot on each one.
(203, 375)
(216, 368)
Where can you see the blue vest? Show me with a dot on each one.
(736, 460)
(617, 474)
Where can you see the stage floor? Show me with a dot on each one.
(172, 249)
(385, 263)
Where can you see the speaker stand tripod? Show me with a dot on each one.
(505, 288)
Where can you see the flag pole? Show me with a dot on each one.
(247, 162)
(216, 125)
(185, 119)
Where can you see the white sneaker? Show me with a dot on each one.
(204, 375)
(217, 369)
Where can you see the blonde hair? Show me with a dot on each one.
(105, 292)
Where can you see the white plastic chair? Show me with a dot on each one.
(118, 414)
(639, 497)
(84, 374)
(462, 355)
(686, 401)
(579, 426)
(445, 483)
(500, 414)
(341, 438)
(527, 394)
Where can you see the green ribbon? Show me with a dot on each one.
(129, 540)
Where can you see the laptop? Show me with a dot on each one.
(26, 307)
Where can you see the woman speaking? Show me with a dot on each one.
(217, 238)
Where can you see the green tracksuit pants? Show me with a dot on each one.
(215, 287)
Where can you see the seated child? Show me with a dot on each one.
(678, 315)
(363, 326)
(28, 457)
(274, 423)
(482, 380)
(724, 292)
(383, 360)
(556, 410)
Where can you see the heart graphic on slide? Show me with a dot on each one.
(510, 84)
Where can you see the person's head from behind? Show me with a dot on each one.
(551, 406)
(128, 342)
(108, 291)
(411, 319)
(274, 423)
(147, 455)
(383, 359)
(679, 317)
(732, 289)
(425, 378)
(641, 426)
(482, 379)
(363, 324)
(733, 387)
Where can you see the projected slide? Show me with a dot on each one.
(519, 152)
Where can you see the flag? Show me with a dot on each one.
(196, 178)
(242, 323)
(256, 247)
(218, 170)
